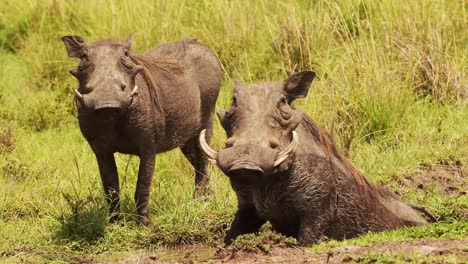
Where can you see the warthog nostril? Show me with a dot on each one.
(123, 87)
(245, 172)
(274, 144)
(246, 175)
(86, 89)
(107, 112)
(246, 166)
(229, 142)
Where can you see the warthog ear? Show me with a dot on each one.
(297, 85)
(128, 42)
(238, 83)
(225, 122)
(75, 45)
(221, 116)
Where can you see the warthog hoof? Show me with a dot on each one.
(203, 193)
(143, 220)
(115, 217)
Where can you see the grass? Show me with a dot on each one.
(391, 88)
(452, 230)
(400, 258)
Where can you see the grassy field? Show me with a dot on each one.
(391, 87)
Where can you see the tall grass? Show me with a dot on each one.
(391, 88)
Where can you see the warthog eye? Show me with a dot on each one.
(84, 62)
(284, 108)
(283, 103)
(84, 54)
(230, 113)
(282, 100)
(234, 101)
(127, 63)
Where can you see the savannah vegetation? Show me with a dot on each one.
(391, 88)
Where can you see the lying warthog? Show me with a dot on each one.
(286, 169)
(143, 105)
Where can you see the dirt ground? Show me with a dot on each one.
(421, 251)
(418, 251)
(446, 178)
(352, 254)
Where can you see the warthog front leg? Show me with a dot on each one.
(143, 188)
(311, 229)
(110, 181)
(246, 221)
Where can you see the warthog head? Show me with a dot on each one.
(260, 127)
(106, 75)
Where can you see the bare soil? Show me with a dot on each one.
(455, 249)
(446, 178)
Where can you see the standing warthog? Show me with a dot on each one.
(285, 169)
(143, 105)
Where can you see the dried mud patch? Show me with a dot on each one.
(444, 178)
(277, 254)
(34, 255)
(267, 246)
(443, 186)
(418, 251)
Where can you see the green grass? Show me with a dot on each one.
(386, 258)
(391, 87)
(452, 230)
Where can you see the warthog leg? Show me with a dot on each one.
(311, 230)
(193, 152)
(110, 181)
(199, 162)
(246, 221)
(143, 188)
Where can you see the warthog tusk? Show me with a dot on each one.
(209, 152)
(283, 155)
(134, 91)
(78, 94)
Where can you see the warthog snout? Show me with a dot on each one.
(108, 110)
(245, 172)
(248, 163)
(105, 103)
(245, 166)
(252, 158)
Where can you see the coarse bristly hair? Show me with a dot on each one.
(370, 190)
(164, 68)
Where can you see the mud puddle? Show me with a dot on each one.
(433, 250)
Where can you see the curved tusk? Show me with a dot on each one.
(134, 91)
(209, 152)
(78, 94)
(291, 149)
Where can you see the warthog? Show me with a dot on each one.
(143, 105)
(285, 169)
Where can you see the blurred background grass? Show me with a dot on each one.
(391, 88)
